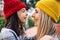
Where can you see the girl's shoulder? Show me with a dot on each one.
(7, 34)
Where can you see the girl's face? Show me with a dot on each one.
(36, 14)
(22, 15)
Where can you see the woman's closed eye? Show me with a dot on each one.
(36, 11)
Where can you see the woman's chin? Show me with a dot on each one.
(24, 22)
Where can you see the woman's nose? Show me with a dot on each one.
(26, 14)
(33, 15)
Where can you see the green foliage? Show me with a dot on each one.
(58, 20)
(30, 22)
(2, 21)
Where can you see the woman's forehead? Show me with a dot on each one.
(37, 9)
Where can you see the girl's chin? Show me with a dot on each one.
(24, 22)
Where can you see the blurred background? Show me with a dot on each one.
(2, 20)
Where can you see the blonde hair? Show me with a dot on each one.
(45, 26)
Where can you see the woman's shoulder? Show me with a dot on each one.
(6, 34)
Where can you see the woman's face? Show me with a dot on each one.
(36, 14)
(22, 15)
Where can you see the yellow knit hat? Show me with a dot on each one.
(50, 7)
(59, 6)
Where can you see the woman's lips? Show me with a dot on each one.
(33, 17)
(25, 17)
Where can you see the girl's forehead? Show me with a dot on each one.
(23, 9)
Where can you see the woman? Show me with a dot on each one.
(48, 10)
(15, 14)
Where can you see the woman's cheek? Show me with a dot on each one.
(37, 17)
(23, 17)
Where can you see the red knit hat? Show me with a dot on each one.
(12, 6)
